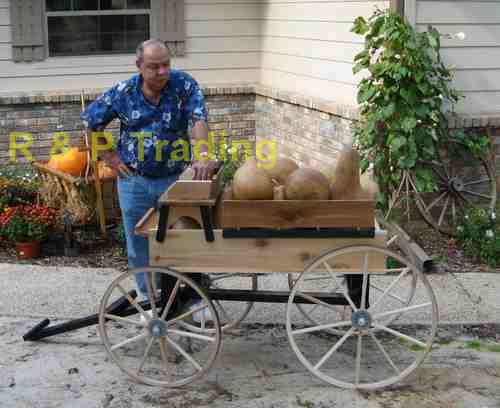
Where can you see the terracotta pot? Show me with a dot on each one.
(28, 250)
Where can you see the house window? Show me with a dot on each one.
(86, 27)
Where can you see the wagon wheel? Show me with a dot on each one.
(231, 314)
(366, 353)
(319, 282)
(155, 349)
(463, 181)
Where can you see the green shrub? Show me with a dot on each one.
(479, 235)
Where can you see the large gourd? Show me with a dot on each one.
(250, 182)
(307, 184)
(282, 169)
(73, 162)
(346, 184)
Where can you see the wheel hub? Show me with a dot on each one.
(157, 328)
(456, 184)
(361, 320)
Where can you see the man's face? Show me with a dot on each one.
(155, 67)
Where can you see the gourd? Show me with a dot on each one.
(252, 183)
(346, 184)
(282, 168)
(307, 184)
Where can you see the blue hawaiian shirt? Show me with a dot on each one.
(163, 147)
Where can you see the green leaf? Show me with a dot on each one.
(398, 142)
(360, 26)
(408, 124)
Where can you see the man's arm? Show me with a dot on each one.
(203, 169)
(96, 117)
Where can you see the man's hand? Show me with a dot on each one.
(113, 160)
(203, 169)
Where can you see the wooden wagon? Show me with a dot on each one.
(364, 304)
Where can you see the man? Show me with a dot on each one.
(156, 108)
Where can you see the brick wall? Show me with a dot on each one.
(231, 110)
(309, 131)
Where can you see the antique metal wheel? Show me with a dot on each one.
(231, 314)
(152, 346)
(463, 181)
(370, 348)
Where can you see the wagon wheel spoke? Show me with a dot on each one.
(358, 358)
(387, 290)
(345, 290)
(365, 282)
(196, 336)
(170, 300)
(151, 295)
(316, 301)
(322, 327)
(473, 193)
(163, 354)
(183, 353)
(443, 211)
(434, 202)
(483, 180)
(391, 295)
(134, 303)
(401, 310)
(129, 341)
(335, 347)
(146, 354)
(187, 314)
(124, 320)
(400, 335)
(384, 352)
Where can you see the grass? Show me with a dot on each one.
(483, 346)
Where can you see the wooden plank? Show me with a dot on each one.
(148, 224)
(297, 214)
(193, 190)
(188, 251)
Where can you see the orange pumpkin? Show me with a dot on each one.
(72, 162)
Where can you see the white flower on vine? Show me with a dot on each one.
(397, 56)
(460, 36)
(489, 234)
(493, 216)
(460, 228)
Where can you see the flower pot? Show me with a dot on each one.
(28, 250)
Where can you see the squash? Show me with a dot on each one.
(307, 184)
(73, 162)
(282, 169)
(346, 184)
(252, 183)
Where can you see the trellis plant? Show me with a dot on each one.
(401, 100)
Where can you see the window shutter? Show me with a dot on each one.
(28, 38)
(168, 24)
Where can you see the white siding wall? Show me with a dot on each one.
(222, 46)
(477, 58)
(307, 46)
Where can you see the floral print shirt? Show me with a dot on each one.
(153, 139)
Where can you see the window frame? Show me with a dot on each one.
(78, 13)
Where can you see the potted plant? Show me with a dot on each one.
(27, 226)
